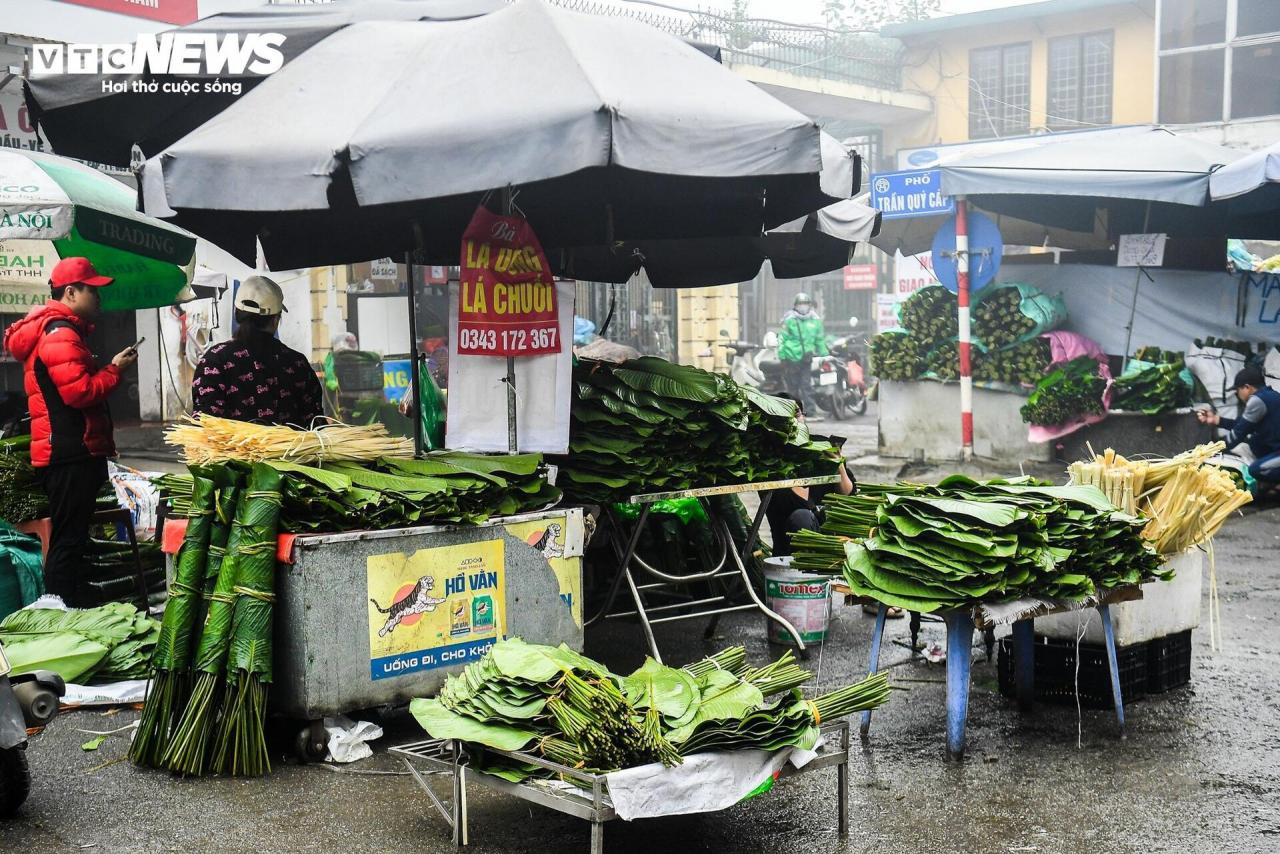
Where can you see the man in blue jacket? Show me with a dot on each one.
(1258, 426)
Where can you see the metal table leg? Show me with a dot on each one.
(959, 655)
(874, 664)
(842, 784)
(1105, 611)
(1024, 662)
(751, 591)
(748, 547)
(624, 560)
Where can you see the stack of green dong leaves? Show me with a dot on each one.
(930, 317)
(648, 425)
(1069, 391)
(895, 356)
(568, 709)
(963, 542)
(445, 487)
(1155, 388)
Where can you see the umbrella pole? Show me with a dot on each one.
(962, 299)
(1133, 307)
(513, 441)
(414, 356)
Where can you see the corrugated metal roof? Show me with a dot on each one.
(999, 16)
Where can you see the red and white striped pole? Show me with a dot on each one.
(962, 298)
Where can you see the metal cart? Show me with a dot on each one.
(587, 797)
(625, 537)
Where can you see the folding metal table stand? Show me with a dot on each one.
(631, 565)
(960, 627)
(587, 796)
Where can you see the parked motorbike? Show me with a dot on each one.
(756, 365)
(28, 700)
(848, 350)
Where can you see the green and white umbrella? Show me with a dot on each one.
(53, 208)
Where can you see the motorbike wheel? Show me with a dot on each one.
(860, 401)
(15, 780)
(840, 402)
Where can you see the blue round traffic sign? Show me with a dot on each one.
(985, 249)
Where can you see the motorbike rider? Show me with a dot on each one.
(801, 338)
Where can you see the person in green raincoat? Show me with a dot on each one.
(800, 339)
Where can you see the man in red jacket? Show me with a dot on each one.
(70, 424)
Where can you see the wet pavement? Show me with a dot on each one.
(1199, 770)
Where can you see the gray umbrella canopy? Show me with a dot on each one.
(1080, 190)
(80, 120)
(808, 246)
(1247, 194)
(607, 129)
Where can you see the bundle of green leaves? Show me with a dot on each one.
(21, 496)
(998, 319)
(930, 316)
(1021, 364)
(1154, 383)
(895, 356)
(569, 709)
(104, 644)
(963, 542)
(1070, 391)
(648, 425)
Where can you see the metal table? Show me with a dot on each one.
(588, 797)
(1021, 614)
(629, 562)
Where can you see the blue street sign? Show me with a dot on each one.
(985, 251)
(898, 195)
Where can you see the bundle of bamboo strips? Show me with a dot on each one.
(205, 439)
(1186, 500)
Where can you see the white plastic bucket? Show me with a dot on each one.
(802, 598)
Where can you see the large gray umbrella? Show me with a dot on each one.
(607, 129)
(82, 119)
(1247, 194)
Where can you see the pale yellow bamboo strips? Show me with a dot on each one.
(206, 439)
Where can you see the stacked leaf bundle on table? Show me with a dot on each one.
(445, 487)
(930, 317)
(1155, 381)
(962, 542)
(1070, 391)
(568, 709)
(998, 319)
(895, 356)
(648, 425)
(104, 644)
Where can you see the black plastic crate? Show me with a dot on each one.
(1055, 666)
(1169, 662)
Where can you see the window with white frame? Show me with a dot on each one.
(1080, 80)
(1219, 60)
(999, 91)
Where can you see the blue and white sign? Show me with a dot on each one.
(986, 248)
(898, 195)
(396, 381)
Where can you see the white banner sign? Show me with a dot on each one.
(912, 272)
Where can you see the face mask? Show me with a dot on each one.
(803, 309)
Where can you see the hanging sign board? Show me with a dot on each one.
(1141, 250)
(899, 195)
(507, 304)
(860, 277)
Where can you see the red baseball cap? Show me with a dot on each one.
(77, 271)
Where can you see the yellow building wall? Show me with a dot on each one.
(701, 315)
(937, 65)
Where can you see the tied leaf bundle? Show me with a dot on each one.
(571, 710)
(930, 317)
(242, 745)
(998, 320)
(1070, 391)
(190, 750)
(1021, 364)
(170, 684)
(647, 425)
(1154, 382)
(895, 356)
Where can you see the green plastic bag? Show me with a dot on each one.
(431, 409)
(21, 576)
(688, 510)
